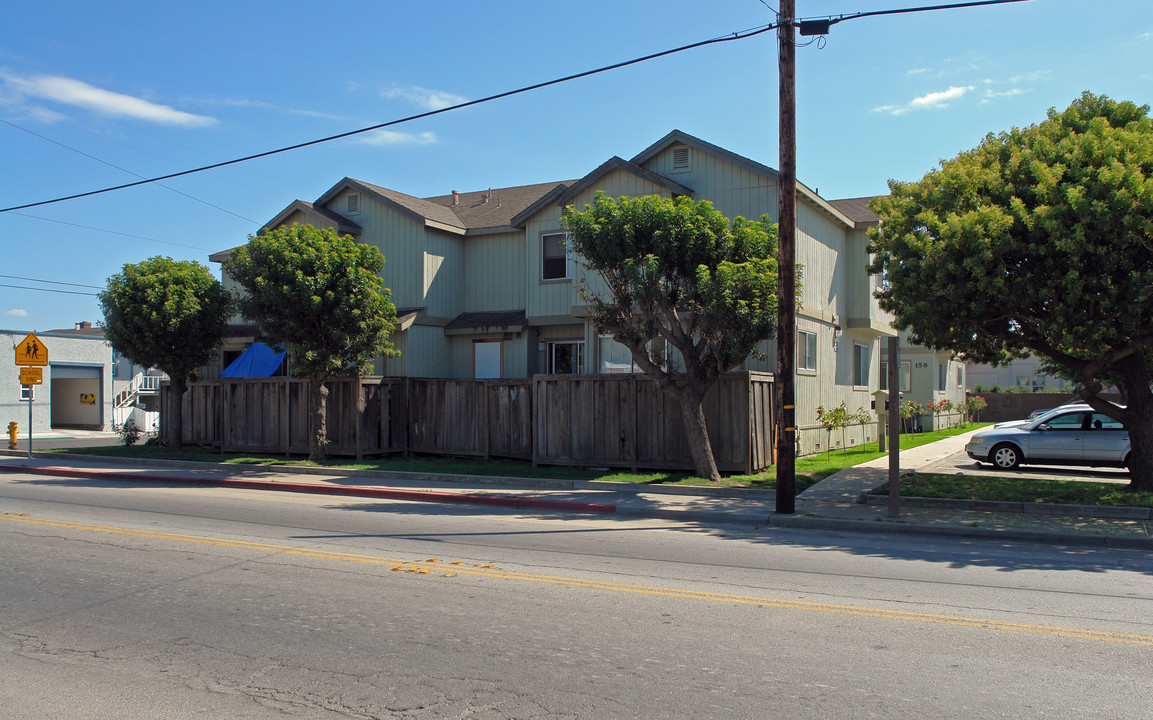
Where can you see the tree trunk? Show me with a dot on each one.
(319, 419)
(176, 390)
(701, 450)
(1139, 423)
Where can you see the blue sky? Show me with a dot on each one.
(101, 94)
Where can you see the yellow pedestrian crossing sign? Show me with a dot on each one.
(31, 351)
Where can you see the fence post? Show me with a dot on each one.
(484, 389)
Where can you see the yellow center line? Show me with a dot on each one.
(499, 574)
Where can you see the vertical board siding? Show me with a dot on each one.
(495, 274)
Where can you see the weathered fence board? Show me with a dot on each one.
(599, 420)
(628, 421)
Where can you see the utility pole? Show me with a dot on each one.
(786, 431)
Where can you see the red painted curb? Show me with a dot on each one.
(315, 489)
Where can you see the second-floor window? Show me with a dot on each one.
(555, 260)
(860, 365)
(806, 350)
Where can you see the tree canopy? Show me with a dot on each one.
(320, 296)
(168, 314)
(1038, 240)
(677, 272)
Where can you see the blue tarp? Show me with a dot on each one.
(258, 360)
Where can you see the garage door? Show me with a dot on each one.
(77, 397)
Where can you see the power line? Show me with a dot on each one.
(725, 38)
(124, 170)
(113, 232)
(53, 282)
(67, 292)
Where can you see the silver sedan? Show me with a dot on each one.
(1068, 435)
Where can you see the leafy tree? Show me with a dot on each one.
(1038, 240)
(168, 314)
(319, 295)
(677, 272)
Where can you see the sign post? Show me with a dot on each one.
(32, 358)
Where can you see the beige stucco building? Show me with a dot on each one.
(485, 288)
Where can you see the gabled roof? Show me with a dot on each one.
(432, 214)
(676, 136)
(561, 194)
(343, 224)
(494, 209)
(616, 163)
(465, 213)
(857, 210)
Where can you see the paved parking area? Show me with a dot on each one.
(960, 464)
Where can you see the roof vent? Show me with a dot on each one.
(352, 205)
(455, 198)
(680, 158)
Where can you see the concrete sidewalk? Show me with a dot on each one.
(830, 505)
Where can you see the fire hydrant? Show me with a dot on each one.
(12, 435)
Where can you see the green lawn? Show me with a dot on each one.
(964, 487)
(809, 470)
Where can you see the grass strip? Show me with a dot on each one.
(809, 470)
(964, 487)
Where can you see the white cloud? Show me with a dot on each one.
(1028, 77)
(17, 312)
(917, 71)
(103, 102)
(389, 138)
(1012, 92)
(423, 97)
(934, 100)
(940, 99)
(260, 104)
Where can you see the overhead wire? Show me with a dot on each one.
(741, 35)
(124, 170)
(66, 292)
(113, 232)
(53, 282)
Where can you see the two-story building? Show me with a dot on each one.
(485, 287)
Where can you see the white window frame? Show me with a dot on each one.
(806, 340)
(904, 376)
(860, 365)
(567, 257)
(550, 355)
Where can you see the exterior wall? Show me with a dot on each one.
(495, 272)
(444, 258)
(401, 239)
(428, 353)
(925, 366)
(557, 297)
(1020, 373)
(60, 394)
(733, 190)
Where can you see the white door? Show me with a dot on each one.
(486, 360)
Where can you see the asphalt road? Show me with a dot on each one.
(123, 601)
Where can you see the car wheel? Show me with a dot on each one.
(1006, 456)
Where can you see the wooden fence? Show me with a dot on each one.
(598, 420)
